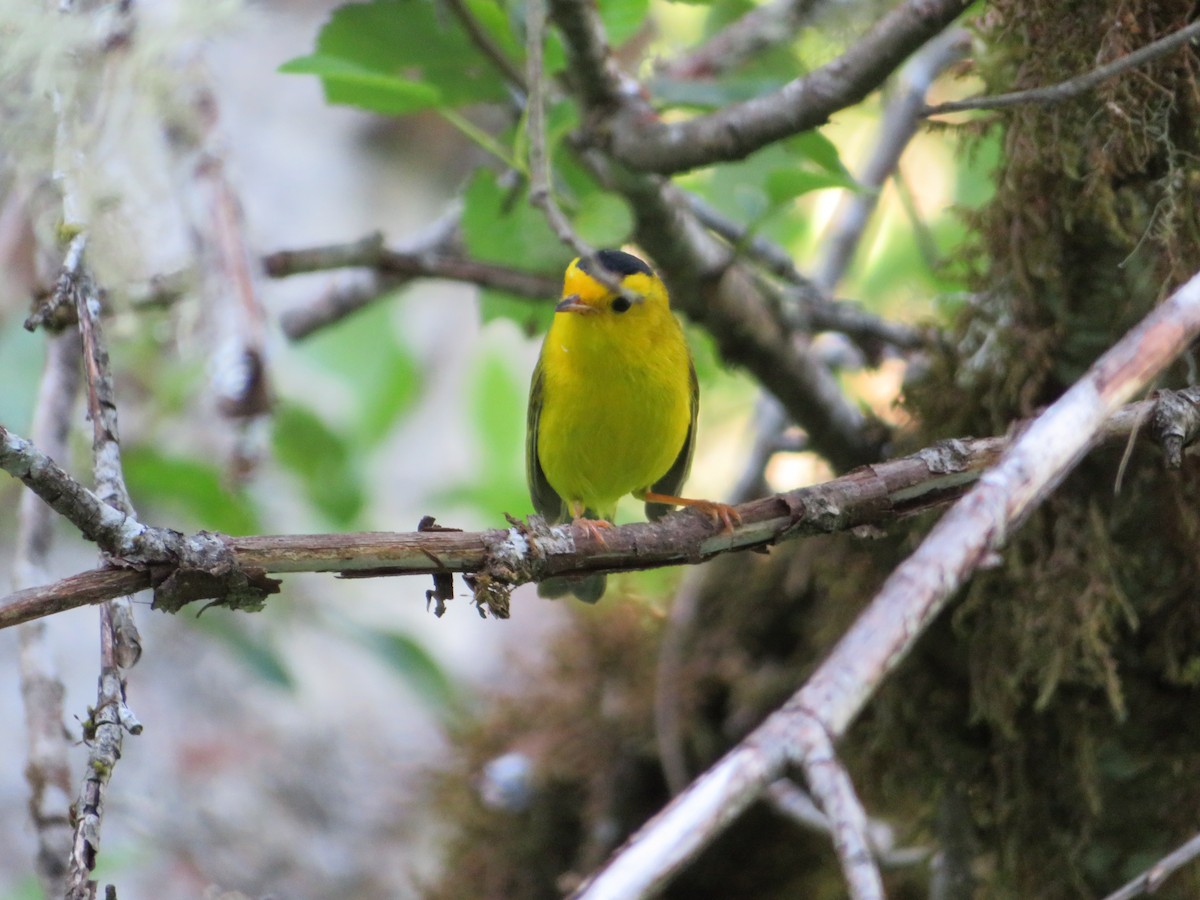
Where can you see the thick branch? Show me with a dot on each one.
(739, 129)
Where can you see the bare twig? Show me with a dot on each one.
(1080, 84)
(58, 308)
(105, 732)
(106, 447)
(541, 193)
(488, 47)
(432, 258)
(739, 129)
(120, 644)
(900, 122)
(807, 303)
(968, 535)
(48, 771)
(871, 495)
(1152, 879)
(831, 787)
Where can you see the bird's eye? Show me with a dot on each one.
(621, 303)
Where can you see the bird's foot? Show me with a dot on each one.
(718, 513)
(593, 528)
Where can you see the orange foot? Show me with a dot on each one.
(593, 528)
(718, 513)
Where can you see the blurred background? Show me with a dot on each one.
(289, 752)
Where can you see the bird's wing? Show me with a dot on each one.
(545, 499)
(672, 482)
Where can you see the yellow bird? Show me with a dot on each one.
(612, 406)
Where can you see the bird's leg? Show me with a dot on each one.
(721, 513)
(594, 528)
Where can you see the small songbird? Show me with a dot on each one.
(612, 406)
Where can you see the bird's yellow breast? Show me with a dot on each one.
(616, 403)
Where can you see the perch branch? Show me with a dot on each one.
(968, 535)
(1080, 84)
(869, 496)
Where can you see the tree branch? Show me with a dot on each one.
(869, 496)
(739, 129)
(1152, 879)
(394, 268)
(965, 538)
(1080, 84)
(106, 448)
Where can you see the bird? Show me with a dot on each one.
(612, 406)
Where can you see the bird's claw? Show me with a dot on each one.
(593, 528)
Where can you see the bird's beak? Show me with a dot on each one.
(572, 303)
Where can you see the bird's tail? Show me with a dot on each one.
(588, 588)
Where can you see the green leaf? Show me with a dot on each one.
(499, 225)
(348, 84)
(418, 669)
(383, 378)
(705, 95)
(498, 410)
(532, 316)
(393, 393)
(400, 56)
(603, 220)
(194, 487)
(251, 648)
(622, 18)
(784, 185)
(498, 414)
(815, 147)
(322, 459)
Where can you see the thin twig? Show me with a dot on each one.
(48, 771)
(1152, 879)
(106, 447)
(540, 190)
(834, 792)
(872, 495)
(1080, 84)
(966, 536)
(488, 47)
(58, 308)
(813, 309)
(105, 733)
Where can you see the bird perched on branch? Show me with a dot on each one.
(612, 406)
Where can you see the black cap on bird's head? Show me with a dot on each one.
(618, 262)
